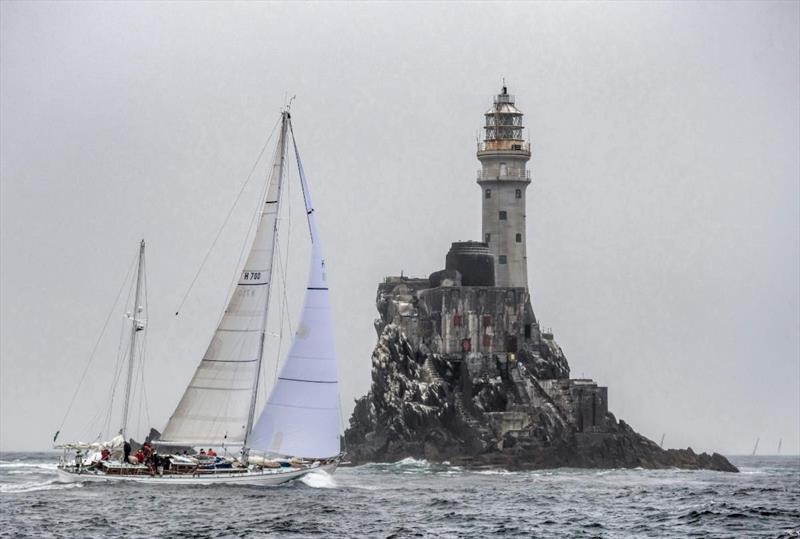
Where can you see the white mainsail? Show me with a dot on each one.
(301, 417)
(217, 406)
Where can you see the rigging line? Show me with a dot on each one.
(118, 367)
(142, 355)
(124, 339)
(120, 361)
(285, 302)
(119, 364)
(288, 321)
(138, 418)
(283, 309)
(136, 391)
(143, 393)
(144, 345)
(277, 356)
(93, 422)
(308, 204)
(252, 229)
(227, 218)
(263, 376)
(288, 239)
(111, 392)
(96, 344)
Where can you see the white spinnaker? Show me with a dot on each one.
(301, 417)
(215, 407)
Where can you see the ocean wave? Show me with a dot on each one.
(411, 461)
(20, 464)
(496, 471)
(406, 465)
(33, 486)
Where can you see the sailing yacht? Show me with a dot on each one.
(296, 432)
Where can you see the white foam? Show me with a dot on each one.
(40, 465)
(320, 479)
(499, 471)
(33, 486)
(411, 461)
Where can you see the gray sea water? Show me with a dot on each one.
(414, 499)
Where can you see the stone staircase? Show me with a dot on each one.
(468, 418)
(429, 372)
(523, 390)
(530, 386)
(431, 375)
(484, 431)
(550, 404)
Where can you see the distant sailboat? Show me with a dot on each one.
(780, 442)
(755, 447)
(298, 429)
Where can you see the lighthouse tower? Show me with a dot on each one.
(503, 179)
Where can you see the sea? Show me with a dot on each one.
(414, 498)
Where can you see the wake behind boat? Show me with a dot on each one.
(297, 431)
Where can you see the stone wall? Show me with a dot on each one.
(584, 403)
(478, 319)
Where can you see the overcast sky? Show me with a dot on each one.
(663, 232)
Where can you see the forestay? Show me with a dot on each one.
(301, 417)
(215, 407)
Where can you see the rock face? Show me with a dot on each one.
(464, 374)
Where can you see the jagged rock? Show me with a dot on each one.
(509, 404)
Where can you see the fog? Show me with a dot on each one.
(663, 228)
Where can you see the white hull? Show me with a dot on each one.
(265, 478)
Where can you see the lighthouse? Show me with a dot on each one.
(503, 178)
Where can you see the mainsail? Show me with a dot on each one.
(301, 416)
(217, 407)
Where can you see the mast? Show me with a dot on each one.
(259, 358)
(755, 447)
(135, 328)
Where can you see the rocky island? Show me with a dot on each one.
(463, 372)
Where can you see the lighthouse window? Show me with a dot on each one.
(501, 259)
(518, 193)
(519, 237)
(503, 215)
(488, 193)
